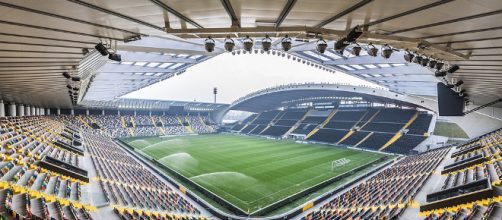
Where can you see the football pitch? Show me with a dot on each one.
(250, 172)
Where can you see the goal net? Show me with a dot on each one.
(339, 162)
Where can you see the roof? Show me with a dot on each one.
(39, 41)
(293, 94)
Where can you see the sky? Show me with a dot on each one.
(236, 76)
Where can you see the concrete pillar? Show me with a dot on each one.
(72, 112)
(37, 111)
(118, 112)
(42, 111)
(27, 110)
(134, 112)
(12, 109)
(103, 112)
(87, 112)
(48, 111)
(33, 112)
(2, 109)
(20, 110)
(58, 111)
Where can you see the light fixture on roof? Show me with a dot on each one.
(453, 68)
(248, 43)
(440, 73)
(351, 37)
(387, 51)
(266, 43)
(425, 61)
(432, 63)
(372, 50)
(459, 83)
(356, 50)
(209, 44)
(417, 59)
(115, 57)
(408, 56)
(286, 43)
(321, 45)
(66, 75)
(439, 65)
(101, 49)
(229, 44)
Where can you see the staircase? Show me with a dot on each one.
(297, 123)
(371, 119)
(364, 139)
(133, 122)
(249, 122)
(333, 112)
(398, 134)
(83, 121)
(346, 136)
(122, 121)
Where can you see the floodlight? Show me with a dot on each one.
(66, 75)
(209, 44)
(459, 83)
(417, 59)
(425, 61)
(115, 57)
(321, 46)
(387, 51)
(440, 73)
(248, 44)
(432, 63)
(266, 43)
(286, 43)
(372, 50)
(453, 68)
(356, 51)
(101, 49)
(439, 65)
(341, 44)
(408, 56)
(229, 44)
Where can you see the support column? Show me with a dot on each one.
(12, 109)
(48, 111)
(72, 112)
(33, 112)
(20, 110)
(58, 111)
(87, 112)
(2, 109)
(27, 110)
(42, 111)
(103, 112)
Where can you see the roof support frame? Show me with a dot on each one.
(343, 13)
(231, 12)
(402, 14)
(446, 22)
(176, 13)
(110, 12)
(18, 7)
(285, 11)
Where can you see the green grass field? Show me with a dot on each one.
(250, 172)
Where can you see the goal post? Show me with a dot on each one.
(339, 163)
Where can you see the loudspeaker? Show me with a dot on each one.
(449, 102)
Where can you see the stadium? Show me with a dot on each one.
(250, 109)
